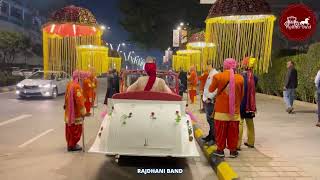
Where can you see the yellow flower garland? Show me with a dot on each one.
(59, 53)
(188, 58)
(242, 36)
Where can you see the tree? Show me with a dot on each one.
(12, 43)
(150, 22)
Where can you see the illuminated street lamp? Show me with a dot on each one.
(103, 27)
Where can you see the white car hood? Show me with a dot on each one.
(35, 82)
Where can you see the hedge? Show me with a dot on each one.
(307, 66)
(9, 80)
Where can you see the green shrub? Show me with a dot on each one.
(3, 79)
(307, 66)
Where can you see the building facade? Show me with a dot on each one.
(16, 17)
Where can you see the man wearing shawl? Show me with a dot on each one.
(248, 105)
(183, 78)
(87, 91)
(227, 107)
(150, 82)
(192, 84)
(74, 112)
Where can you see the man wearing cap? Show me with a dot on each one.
(248, 105)
(227, 107)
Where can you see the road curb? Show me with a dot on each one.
(296, 102)
(7, 89)
(223, 170)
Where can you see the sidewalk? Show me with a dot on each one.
(7, 88)
(264, 162)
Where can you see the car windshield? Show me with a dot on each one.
(43, 76)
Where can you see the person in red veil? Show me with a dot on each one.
(150, 82)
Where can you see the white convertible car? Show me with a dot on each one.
(146, 124)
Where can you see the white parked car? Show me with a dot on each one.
(41, 84)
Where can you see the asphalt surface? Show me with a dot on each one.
(32, 146)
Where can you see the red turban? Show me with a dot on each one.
(151, 70)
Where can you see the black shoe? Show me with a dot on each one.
(207, 138)
(219, 153)
(234, 154)
(290, 110)
(248, 145)
(210, 143)
(318, 124)
(76, 148)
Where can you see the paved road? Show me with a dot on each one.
(32, 146)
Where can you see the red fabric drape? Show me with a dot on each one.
(69, 29)
(151, 70)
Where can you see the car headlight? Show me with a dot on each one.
(19, 85)
(45, 86)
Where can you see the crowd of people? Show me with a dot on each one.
(228, 99)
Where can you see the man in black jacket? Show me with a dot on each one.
(183, 78)
(291, 83)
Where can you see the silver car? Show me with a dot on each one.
(43, 84)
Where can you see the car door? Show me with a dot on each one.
(64, 82)
(57, 81)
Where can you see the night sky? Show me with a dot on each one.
(108, 14)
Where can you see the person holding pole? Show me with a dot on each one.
(203, 79)
(192, 84)
(87, 92)
(74, 113)
(94, 85)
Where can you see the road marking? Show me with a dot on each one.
(15, 119)
(35, 138)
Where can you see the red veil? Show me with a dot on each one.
(151, 70)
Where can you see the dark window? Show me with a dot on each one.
(4, 8)
(17, 13)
